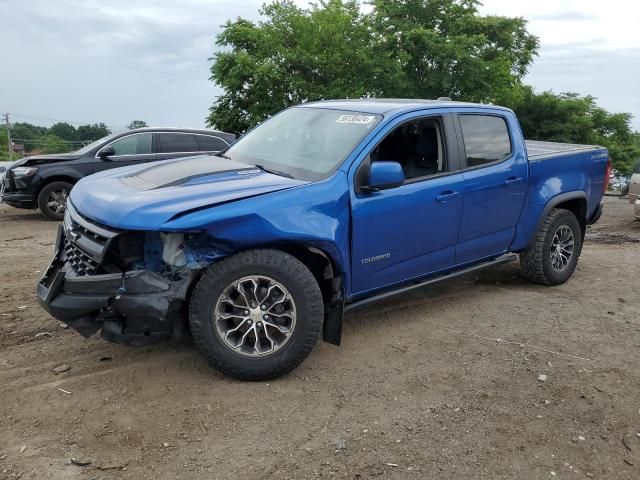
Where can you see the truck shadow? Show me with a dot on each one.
(431, 298)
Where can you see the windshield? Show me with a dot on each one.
(303, 143)
(92, 145)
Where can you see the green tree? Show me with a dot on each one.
(27, 134)
(294, 55)
(89, 133)
(446, 48)
(569, 117)
(137, 124)
(53, 144)
(415, 48)
(410, 49)
(4, 148)
(64, 130)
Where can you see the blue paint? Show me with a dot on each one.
(384, 175)
(376, 239)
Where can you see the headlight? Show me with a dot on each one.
(24, 171)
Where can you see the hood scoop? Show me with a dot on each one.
(191, 171)
(144, 197)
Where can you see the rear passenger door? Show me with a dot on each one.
(176, 144)
(495, 173)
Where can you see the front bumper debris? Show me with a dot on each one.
(18, 200)
(135, 308)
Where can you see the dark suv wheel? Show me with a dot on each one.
(552, 259)
(52, 199)
(256, 315)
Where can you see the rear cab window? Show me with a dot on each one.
(177, 142)
(486, 139)
(211, 144)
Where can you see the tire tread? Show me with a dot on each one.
(275, 258)
(532, 260)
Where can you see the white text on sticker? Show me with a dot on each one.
(364, 119)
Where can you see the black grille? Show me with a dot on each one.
(85, 243)
(81, 263)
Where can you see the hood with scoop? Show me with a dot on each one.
(144, 197)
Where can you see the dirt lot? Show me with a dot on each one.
(442, 383)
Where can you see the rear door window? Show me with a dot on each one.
(177, 142)
(486, 139)
(211, 144)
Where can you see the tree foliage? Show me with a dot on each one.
(51, 143)
(293, 56)
(415, 48)
(137, 124)
(64, 131)
(90, 132)
(446, 48)
(569, 117)
(84, 133)
(27, 134)
(4, 148)
(38, 137)
(406, 49)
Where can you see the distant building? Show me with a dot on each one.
(17, 148)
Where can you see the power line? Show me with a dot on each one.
(70, 122)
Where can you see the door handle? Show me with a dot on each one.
(512, 181)
(446, 196)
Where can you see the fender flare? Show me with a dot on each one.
(553, 203)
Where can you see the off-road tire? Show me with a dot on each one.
(43, 198)
(282, 267)
(536, 262)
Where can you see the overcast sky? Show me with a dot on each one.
(86, 61)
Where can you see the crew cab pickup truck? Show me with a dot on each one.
(324, 207)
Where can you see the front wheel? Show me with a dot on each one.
(52, 199)
(256, 315)
(553, 257)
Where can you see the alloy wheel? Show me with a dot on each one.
(255, 316)
(561, 248)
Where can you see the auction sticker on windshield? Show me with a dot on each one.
(362, 119)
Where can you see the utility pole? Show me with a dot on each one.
(6, 119)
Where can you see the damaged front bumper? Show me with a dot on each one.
(137, 307)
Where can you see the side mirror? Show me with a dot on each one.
(383, 175)
(107, 152)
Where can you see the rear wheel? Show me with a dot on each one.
(552, 259)
(256, 315)
(52, 199)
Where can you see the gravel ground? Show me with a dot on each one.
(440, 383)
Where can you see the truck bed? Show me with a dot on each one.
(538, 150)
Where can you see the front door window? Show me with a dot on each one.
(138, 144)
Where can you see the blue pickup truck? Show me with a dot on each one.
(322, 208)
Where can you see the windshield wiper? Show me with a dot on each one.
(275, 172)
(222, 154)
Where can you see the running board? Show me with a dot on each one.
(431, 280)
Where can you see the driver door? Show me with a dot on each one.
(411, 230)
(129, 150)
